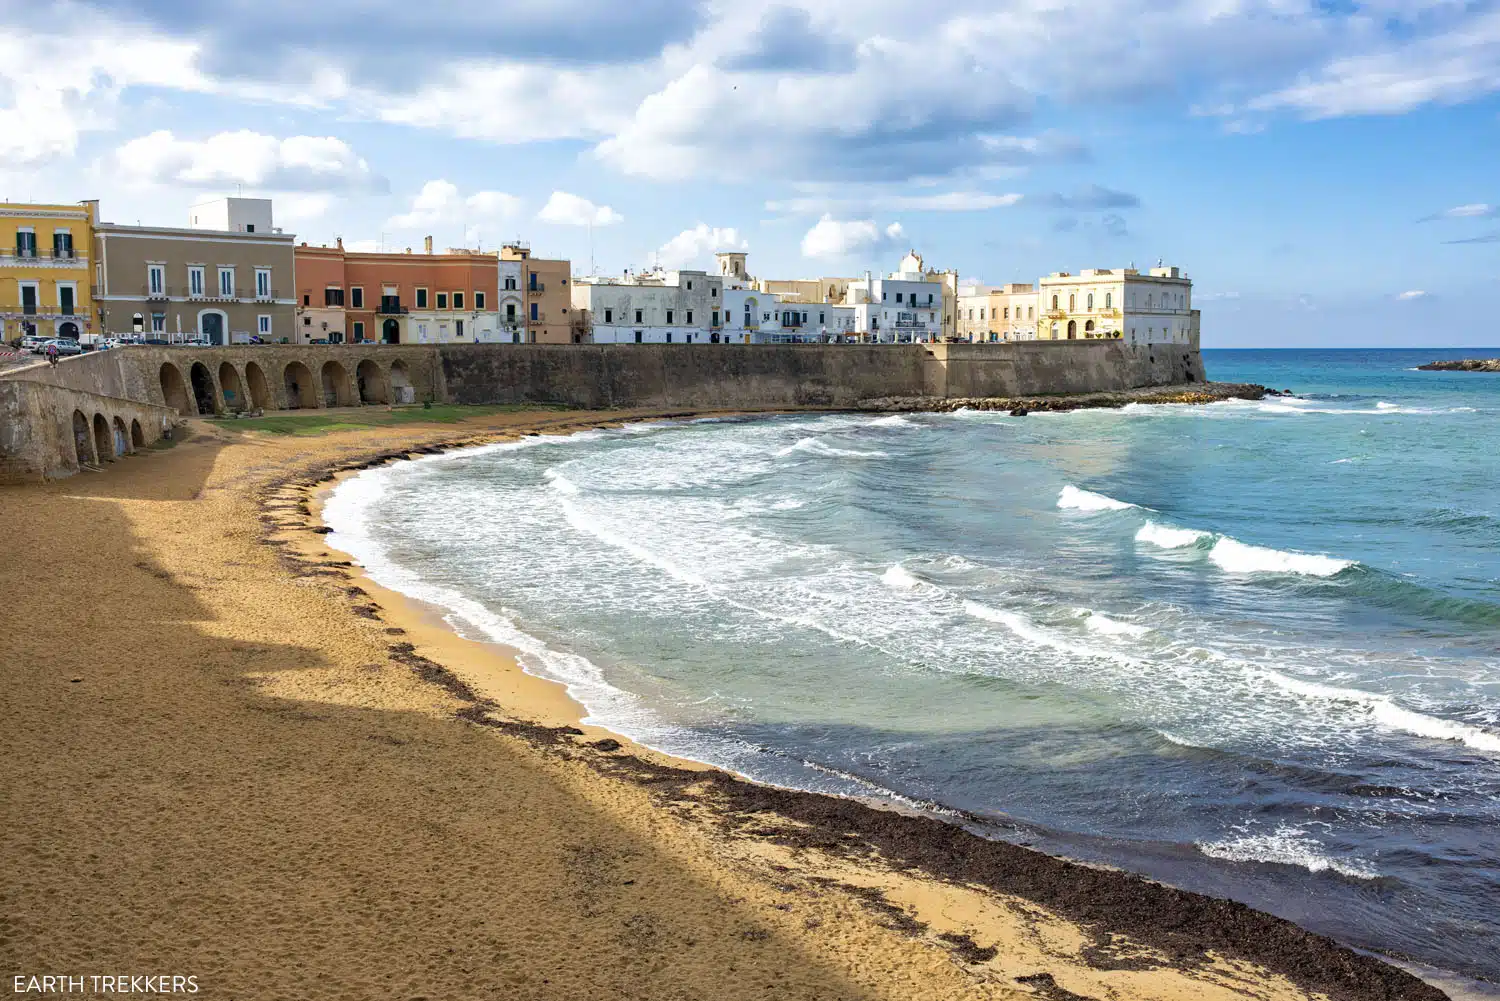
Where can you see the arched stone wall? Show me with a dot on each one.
(83, 439)
(373, 385)
(205, 393)
(301, 389)
(334, 379)
(259, 389)
(104, 446)
(174, 390)
(233, 388)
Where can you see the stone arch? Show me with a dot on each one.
(401, 387)
(68, 329)
(213, 326)
(259, 389)
(205, 394)
(122, 437)
(372, 383)
(1088, 328)
(1072, 330)
(174, 389)
(232, 387)
(301, 391)
(104, 446)
(390, 331)
(137, 436)
(335, 381)
(83, 439)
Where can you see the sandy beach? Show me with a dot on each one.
(227, 754)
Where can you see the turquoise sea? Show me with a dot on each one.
(1250, 648)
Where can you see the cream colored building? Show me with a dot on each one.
(997, 313)
(1118, 303)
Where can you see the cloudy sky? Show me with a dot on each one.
(1328, 171)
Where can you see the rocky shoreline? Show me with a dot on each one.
(1463, 365)
(1198, 392)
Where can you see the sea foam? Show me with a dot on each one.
(816, 446)
(1287, 845)
(1233, 556)
(1167, 537)
(1073, 499)
(899, 576)
(1100, 623)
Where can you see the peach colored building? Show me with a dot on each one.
(547, 295)
(397, 298)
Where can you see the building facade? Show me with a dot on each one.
(174, 284)
(45, 278)
(654, 307)
(998, 313)
(547, 296)
(903, 307)
(1119, 303)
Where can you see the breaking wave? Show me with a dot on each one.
(1233, 556)
(1073, 499)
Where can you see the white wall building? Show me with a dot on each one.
(654, 307)
(511, 309)
(1122, 303)
(232, 215)
(905, 306)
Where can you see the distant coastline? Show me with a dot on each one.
(1463, 365)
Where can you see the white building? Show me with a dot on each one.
(754, 315)
(232, 215)
(905, 306)
(654, 307)
(1121, 303)
(511, 309)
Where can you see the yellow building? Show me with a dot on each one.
(45, 278)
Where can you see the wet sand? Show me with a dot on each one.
(226, 754)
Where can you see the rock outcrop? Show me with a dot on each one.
(1463, 365)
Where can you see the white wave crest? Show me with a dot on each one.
(893, 421)
(1073, 499)
(816, 446)
(1287, 845)
(1383, 710)
(1167, 537)
(561, 483)
(899, 576)
(1098, 622)
(1234, 556)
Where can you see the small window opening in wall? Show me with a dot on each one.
(442, 300)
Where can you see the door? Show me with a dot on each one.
(213, 328)
(391, 332)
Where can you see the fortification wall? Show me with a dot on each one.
(49, 430)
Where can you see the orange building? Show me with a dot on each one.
(399, 298)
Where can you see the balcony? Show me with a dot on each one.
(31, 257)
(1056, 314)
(536, 288)
(267, 295)
(391, 309)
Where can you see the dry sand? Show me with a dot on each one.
(225, 754)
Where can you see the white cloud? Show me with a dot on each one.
(296, 163)
(696, 245)
(830, 237)
(440, 203)
(1415, 293)
(947, 201)
(565, 209)
(1478, 210)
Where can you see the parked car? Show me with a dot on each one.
(155, 341)
(32, 342)
(64, 345)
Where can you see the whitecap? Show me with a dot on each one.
(1167, 537)
(816, 446)
(1073, 499)
(1234, 556)
(1098, 622)
(893, 421)
(1287, 845)
(899, 576)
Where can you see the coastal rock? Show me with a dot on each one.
(1463, 365)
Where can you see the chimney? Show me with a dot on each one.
(427, 246)
(339, 242)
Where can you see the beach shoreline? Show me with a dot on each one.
(888, 903)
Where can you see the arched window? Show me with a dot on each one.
(1054, 302)
(1072, 303)
(1055, 329)
(137, 323)
(1091, 302)
(1109, 298)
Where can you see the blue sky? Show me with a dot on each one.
(1328, 172)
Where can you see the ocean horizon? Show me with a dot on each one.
(1247, 648)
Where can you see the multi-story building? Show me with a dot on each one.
(398, 298)
(997, 313)
(905, 306)
(653, 307)
(45, 281)
(223, 286)
(1151, 308)
(546, 295)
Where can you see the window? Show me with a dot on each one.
(1072, 303)
(638, 314)
(307, 321)
(609, 316)
(971, 315)
(459, 328)
(442, 300)
(307, 299)
(535, 315)
(715, 320)
(690, 288)
(510, 312)
(1109, 298)
(262, 283)
(156, 279)
(62, 244)
(929, 298)
(421, 298)
(478, 300)
(510, 283)
(135, 323)
(195, 281)
(331, 297)
(1007, 313)
(458, 300)
(263, 325)
(821, 318)
(531, 280)
(669, 337)
(898, 298)
(981, 314)
(1091, 301)
(882, 297)
(25, 242)
(713, 292)
(226, 283)
(669, 316)
(1031, 312)
(638, 337)
(357, 300)
(359, 330)
(28, 298)
(689, 317)
(158, 323)
(65, 294)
